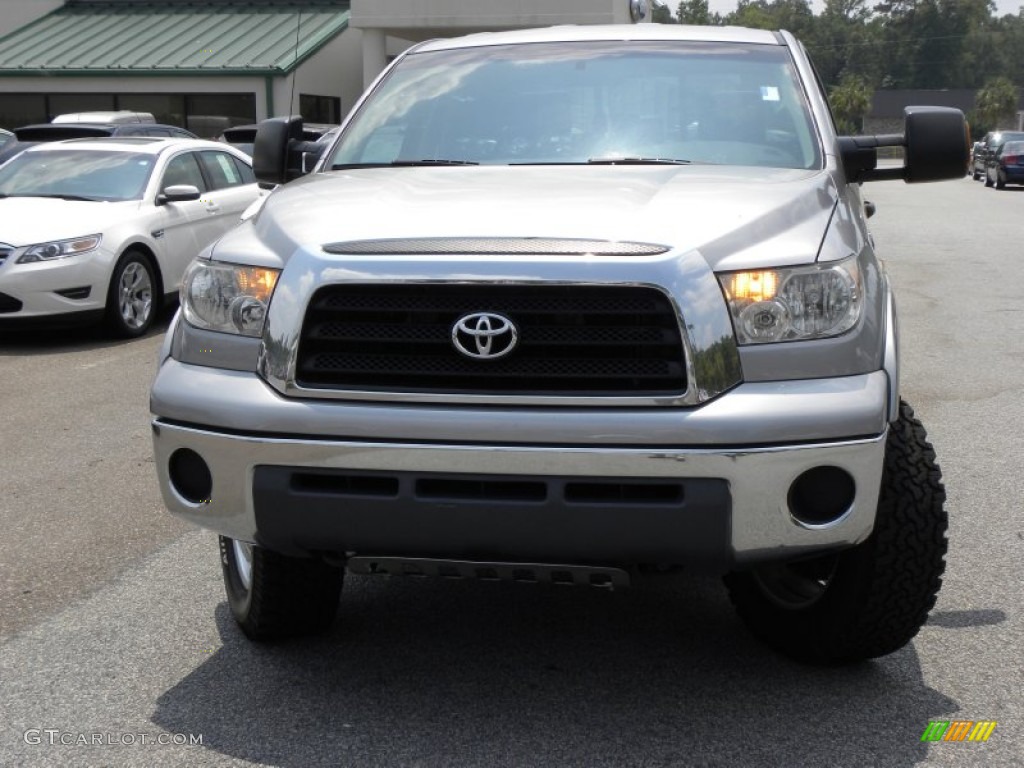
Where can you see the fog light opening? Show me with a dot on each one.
(821, 496)
(190, 476)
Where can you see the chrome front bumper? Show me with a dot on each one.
(814, 423)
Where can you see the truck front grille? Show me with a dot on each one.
(572, 340)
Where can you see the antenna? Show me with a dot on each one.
(295, 63)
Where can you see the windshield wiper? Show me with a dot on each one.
(79, 198)
(401, 164)
(637, 161)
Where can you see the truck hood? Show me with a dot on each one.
(30, 220)
(735, 216)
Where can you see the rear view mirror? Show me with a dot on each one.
(178, 193)
(936, 146)
(277, 151)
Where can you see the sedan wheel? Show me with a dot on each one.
(131, 306)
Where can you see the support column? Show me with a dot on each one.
(375, 56)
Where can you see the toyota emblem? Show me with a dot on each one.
(484, 335)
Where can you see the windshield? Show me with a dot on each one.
(586, 102)
(77, 174)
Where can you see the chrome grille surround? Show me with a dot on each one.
(712, 364)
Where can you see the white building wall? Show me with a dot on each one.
(424, 19)
(335, 70)
(459, 16)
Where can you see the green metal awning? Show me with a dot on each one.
(173, 37)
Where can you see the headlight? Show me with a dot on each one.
(794, 303)
(59, 249)
(229, 298)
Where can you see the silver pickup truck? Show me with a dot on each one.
(565, 305)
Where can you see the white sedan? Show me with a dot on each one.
(96, 229)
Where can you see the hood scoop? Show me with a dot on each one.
(492, 246)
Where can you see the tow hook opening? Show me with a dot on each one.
(190, 476)
(821, 496)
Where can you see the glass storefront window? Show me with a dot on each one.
(18, 109)
(208, 114)
(205, 114)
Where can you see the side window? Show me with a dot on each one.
(157, 132)
(183, 169)
(245, 171)
(221, 169)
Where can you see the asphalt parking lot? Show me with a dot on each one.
(114, 628)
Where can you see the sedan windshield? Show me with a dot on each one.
(76, 174)
(596, 102)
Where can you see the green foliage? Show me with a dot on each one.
(793, 15)
(996, 103)
(886, 43)
(851, 101)
(660, 14)
(696, 12)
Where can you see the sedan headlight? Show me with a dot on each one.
(59, 249)
(794, 303)
(229, 298)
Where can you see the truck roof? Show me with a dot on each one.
(600, 32)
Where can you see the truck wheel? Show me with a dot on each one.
(274, 596)
(871, 599)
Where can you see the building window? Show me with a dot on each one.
(64, 103)
(205, 114)
(166, 108)
(320, 109)
(18, 109)
(208, 114)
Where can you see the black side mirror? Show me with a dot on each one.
(178, 193)
(277, 151)
(936, 143)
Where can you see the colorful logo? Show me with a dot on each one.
(958, 730)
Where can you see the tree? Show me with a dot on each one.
(851, 101)
(696, 12)
(996, 102)
(795, 16)
(660, 14)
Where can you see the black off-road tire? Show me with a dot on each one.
(974, 174)
(282, 596)
(875, 596)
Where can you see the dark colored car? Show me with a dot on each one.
(984, 162)
(1008, 166)
(976, 150)
(61, 131)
